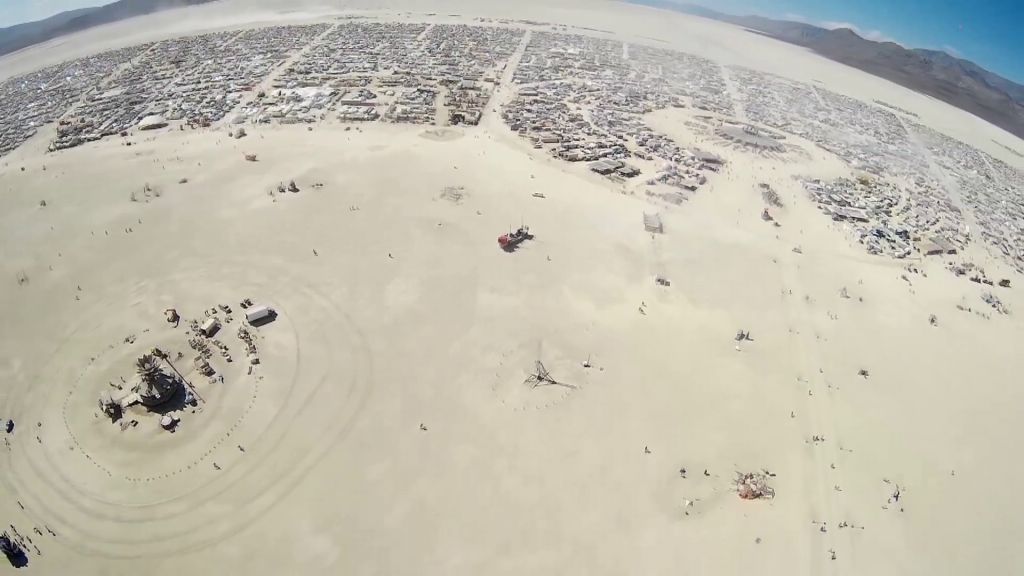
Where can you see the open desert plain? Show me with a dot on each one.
(751, 311)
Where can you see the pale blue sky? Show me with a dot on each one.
(987, 32)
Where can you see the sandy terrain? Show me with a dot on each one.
(397, 309)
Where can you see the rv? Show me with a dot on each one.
(258, 313)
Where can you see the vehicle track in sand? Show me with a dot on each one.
(321, 405)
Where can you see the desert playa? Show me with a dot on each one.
(659, 378)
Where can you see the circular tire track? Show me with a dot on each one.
(321, 405)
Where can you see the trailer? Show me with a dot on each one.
(210, 327)
(257, 314)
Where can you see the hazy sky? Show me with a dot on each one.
(987, 32)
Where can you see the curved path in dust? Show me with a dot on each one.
(325, 395)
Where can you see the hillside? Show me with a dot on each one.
(20, 36)
(956, 81)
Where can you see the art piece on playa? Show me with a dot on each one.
(540, 376)
(453, 194)
(652, 223)
(769, 195)
(155, 386)
(753, 486)
(172, 316)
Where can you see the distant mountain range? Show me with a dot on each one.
(955, 81)
(24, 35)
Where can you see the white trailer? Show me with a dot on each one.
(257, 313)
(210, 327)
